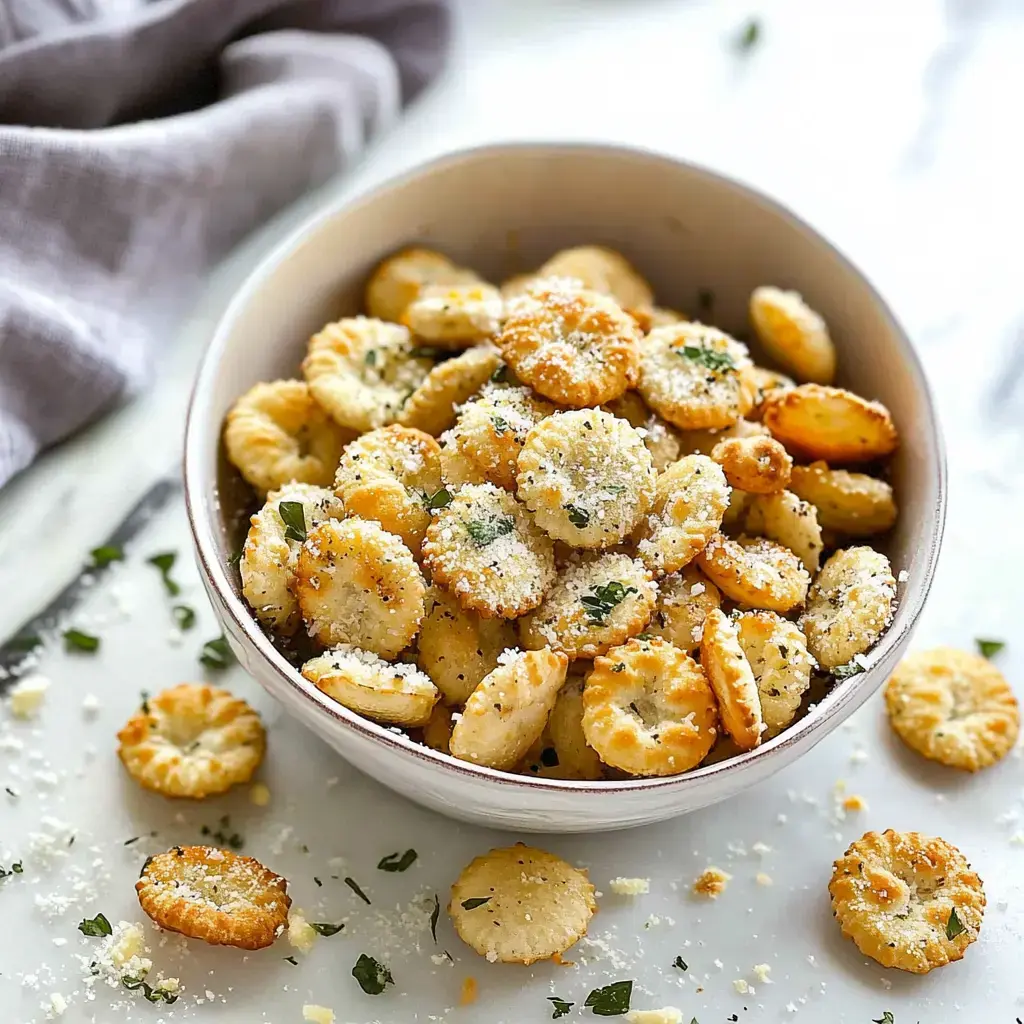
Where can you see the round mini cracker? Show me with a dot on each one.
(789, 521)
(192, 740)
(695, 376)
(767, 381)
(755, 573)
(432, 406)
(953, 707)
(758, 464)
(777, 653)
(398, 280)
(456, 647)
(684, 600)
(397, 694)
(489, 434)
(519, 905)
(271, 550)
(894, 894)
(704, 442)
(601, 270)
(587, 477)
(357, 584)
(218, 896)
(818, 422)
(564, 741)
(594, 604)
(455, 316)
(691, 497)
(485, 549)
(277, 433)
(853, 504)
(506, 713)
(849, 606)
(661, 438)
(732, 680)
(793, 334)
(648, 709)
(362, 371)
(573, 346)
(387, 476)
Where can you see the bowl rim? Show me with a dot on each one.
(815, 725)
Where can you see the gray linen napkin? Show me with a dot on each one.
(139, 142)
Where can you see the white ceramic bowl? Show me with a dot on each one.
(500, 210)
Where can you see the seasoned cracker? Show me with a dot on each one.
(218, 896)
(758, 464)
(895, 895)
(793, 334)
(648, 709)
(455, 316)
(789, 521)
(732, 680)
(661, 438)
(587, 477)
(853, 504)
(601, 270)
(562, 752)
(398, 281)
(953, 707)
(755, 573)
(192, 740)
(432, 407)
(684, 600)
(519, 904)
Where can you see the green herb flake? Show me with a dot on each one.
(371, 357)
(354, 886)
(474, 902)
(602, 599)
(105, 554)
(886, 1018)
(291, 960)
(325, 929)
(500, 375)
(15, 869)
(645, 636)
(434, 915)
(165, 563)
(500, 424)
(989, 648)
(184, 617)
(954, 926)
(96, 927)
(749, 36)
(486, 531)
(560, 1007)
(619, 667)
(397, 861)
(371, 975)
(10, 792)
(439, 499)
(216, 654)
(154, 995)
(76, 640)
(851, 668)
(579, 517)
(293, 515)
(610, 1000)
(680, 963)
(710, 358)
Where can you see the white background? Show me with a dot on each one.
(895, 130)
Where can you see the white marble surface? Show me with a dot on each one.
(892, 130)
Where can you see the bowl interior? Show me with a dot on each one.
(502, 210)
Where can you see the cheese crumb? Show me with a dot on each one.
(762, 879)
(855, 803)
(301, 934)
(317, 1014)
(741, 986)
(90, 705)
(761, 849)
(712, 883)
(259, 794)
(630, 886)
(26, 696)
(761, 972)
(58, 1004)
(666, 1015)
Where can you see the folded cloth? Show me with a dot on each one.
(139, 141)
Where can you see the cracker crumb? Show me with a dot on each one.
(630, 886)
(711, 883)
(762, 879)
(761, 972)
(259, 794)
(855, 803)
(317, 1014)
(470, 991)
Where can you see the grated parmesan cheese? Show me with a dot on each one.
(317, 1014)
(630, 886)
(26, 696)
(666, 1015)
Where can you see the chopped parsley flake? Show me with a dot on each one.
(886, 1018)
(486, 531)
(397, 861)
(76, 640)
(154, 995)
(371, 357)
(371, 975)
(710, 358)
(15, 869)
(105, 554)
(579, 517)
(184, 617)
(620, 667)
(500, 424)
(474, 902)
(325, 929)
(954, 926)
(96, 927)
(602, 599)
(165, 563)
(216, 654)
(610, 1000)
(222, 835)
(645, 636)
(989, 648)
(749, 36)
(851, 668)
(439, 499)
(293, 515)
(560, 1007)
(354, 886)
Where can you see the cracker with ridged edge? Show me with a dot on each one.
(731, 678)
(432, 407)
(755, 572)
(793, 334)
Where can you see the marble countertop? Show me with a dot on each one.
(889, 129)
